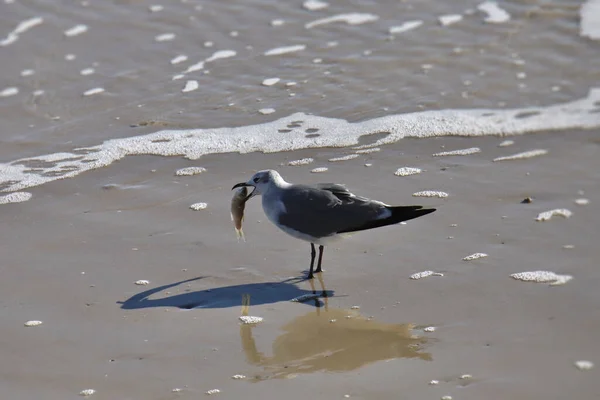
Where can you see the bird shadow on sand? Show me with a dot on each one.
(228, 296)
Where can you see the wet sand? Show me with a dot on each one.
(72, 255)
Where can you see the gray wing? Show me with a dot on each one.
(326, 209)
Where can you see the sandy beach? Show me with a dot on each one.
(113, 287)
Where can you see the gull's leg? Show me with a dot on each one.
(313, 254)
(320, 258)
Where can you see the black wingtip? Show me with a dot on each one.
(399, 214)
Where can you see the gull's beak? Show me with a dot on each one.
(245, 184)
(241, 184)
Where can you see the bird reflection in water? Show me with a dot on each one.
(330, 340)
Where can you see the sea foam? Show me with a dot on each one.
(271, 137)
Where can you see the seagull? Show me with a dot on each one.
(323, 213)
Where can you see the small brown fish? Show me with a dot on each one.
(238, 203)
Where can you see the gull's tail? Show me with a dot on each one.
(398, 214)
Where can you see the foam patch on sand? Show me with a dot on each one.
(589, 15)
(189, 171)
(431, 193)
(407, 171)
(319, 170)
(405, 27)
(16, 197)
(447, 20)
(542, 277)
(315, 5)
(198, 206)
(475, 256)
(424, 274)
(523, 155)
(248, 319)
(558, 212)
(495, 15)
(275, 136)
(350, 19)
(304, 161)
(190, 86)
(22, 27)
(343, 158)
(285, 50)
(461, 152)
(76, 30)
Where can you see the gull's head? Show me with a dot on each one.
(262, 181)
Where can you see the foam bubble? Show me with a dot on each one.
(190, 171)
(213, 391)
(315, 5)
(247, 319)
(304, 161)
(407, 171)
(33, 323)
(344, 158)
(405, 27)
(76, 30)
(584, 365)
(582, 202)
(461, 152)
(155, 8)
(15, 197)
(523, 155)
(190, 86)
(22, 27)
(9, 91)
(194, 67)
(266, 111)
(87, 392)
(267, 137)
(164, 37)
(431, 193)
(429, 329)
(506, 143)
(93, 91)
(27, 72)
(425, 274)
(495, 15)
(475, 256)
(87, 71)
(198, 206)
(179, 59)
(542, 277)
(142, 282)
(450, 19)
(350, 19)
(589, 15)
(277, 22)
(319, 170)
(70, 57)
(285, 50)
(557, 212)
(238, 376)
(270, 81)
(38, 92)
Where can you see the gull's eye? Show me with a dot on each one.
(255, 180)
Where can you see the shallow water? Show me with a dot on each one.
(354, 71)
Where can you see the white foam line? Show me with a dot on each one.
(495, 15)
(165, 37)
(589, 15)
(76, 30)
(350, 19)
(22, 27)
(405, 27)
(285, 50)
(268, 138)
